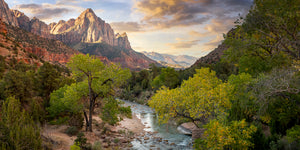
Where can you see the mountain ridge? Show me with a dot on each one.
(181, 61)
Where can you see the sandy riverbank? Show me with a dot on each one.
(61, 141)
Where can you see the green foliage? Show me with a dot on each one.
(168, 77)
(60, 120)
(267, 38)
(18, 84)
(243, 106)
(80, 140)
(72, 130)
(111, 110)
(293, 134)
(74, 147)
(94, 80)
(37, 111)
(50, 79)
(236, 136)
(76, 119)
(97, 146)
(65, 100)
(18, 130)
(2, 66)
(199, 98)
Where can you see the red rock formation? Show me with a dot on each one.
(7, 15)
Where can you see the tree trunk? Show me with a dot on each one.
(91, 105)
(87, 121)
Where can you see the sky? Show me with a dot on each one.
(177, 27)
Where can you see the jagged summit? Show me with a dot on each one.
(88, 14)
(124, 34)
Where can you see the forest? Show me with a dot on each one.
(250, 99)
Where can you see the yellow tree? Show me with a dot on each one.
(197, 99)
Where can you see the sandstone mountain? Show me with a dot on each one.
(20, 45)
(181, 61)
(87, 30)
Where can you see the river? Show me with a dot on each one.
(157, 136)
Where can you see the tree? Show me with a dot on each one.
(267, 38)
(218, 136)
(202, 97)
(18, 84)
(168, 77)
(48, 80)
(95, 80)
(18, 130)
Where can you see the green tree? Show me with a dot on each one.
(267, 38)
(18, 84)
(168, 77)
(48, 80)
(18, 130)
(96, 81)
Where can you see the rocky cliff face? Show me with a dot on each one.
(41, 48)
(7, 15)
(88, 28)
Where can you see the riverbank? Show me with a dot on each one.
(116, 137)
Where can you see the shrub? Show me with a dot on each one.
(80, 140)
(116, 140)
(76, 120)
(59, 121)
(71, 131)
(74, 147)
(97, 146)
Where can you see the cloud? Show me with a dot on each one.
(213, 43)
(171, 13)
(126, 26)
(43, 11)
(194, 33)
(183, 44)
(219, 25)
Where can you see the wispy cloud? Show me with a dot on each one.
(43, 11)
(171, 13)
(180, 44)
(126, 26)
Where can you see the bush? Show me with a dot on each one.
(80, 140)
(71, 131)
(74, 147)
(116, 140)
(59, 121)
(76, 120)
(97, 146)
(17, 129)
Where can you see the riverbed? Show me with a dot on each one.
(157, 136)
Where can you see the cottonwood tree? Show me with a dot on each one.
(202, 97)
(94, 80)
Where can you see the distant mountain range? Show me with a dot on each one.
(85, 34)
(181, 61)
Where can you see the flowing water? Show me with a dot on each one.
(165, 136)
